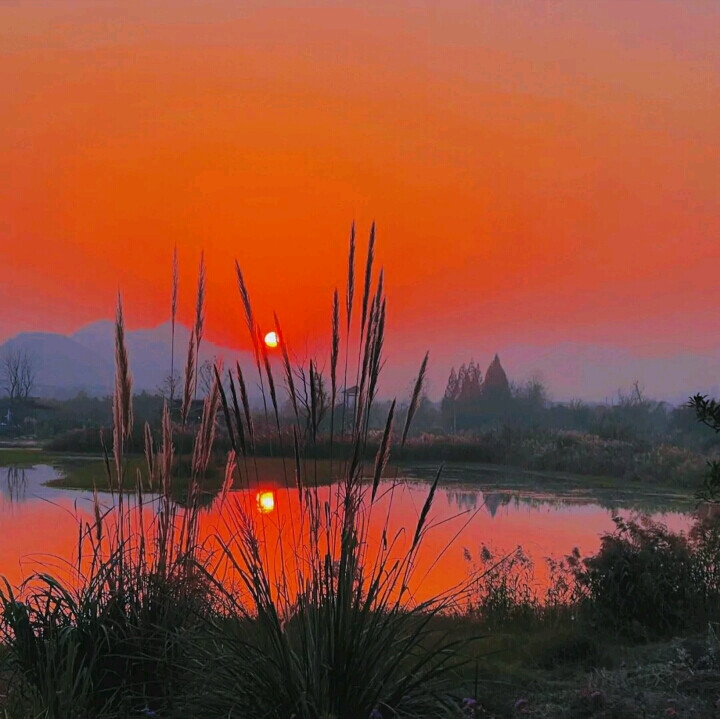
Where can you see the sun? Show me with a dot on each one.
(272, 340)
(266, 501)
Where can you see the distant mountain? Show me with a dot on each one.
(85, 360)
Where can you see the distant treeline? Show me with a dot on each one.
(488, 419)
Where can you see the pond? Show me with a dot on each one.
(475, 506)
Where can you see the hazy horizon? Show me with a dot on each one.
(592, 373)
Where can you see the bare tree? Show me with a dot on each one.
(17, 373)
(312, 397)
(206, 376)
(168, 388)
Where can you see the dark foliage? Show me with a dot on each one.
(647, 581)
(707, 411)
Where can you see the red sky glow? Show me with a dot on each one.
(542, 174)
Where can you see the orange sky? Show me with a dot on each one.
(541, 172)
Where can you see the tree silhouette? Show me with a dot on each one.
(17, 374)
(707, 411)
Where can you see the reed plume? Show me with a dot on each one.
(350, 289)
(252, 326)
(190, 365)
(225, 408)
(334, 352)
(335, 348)
(368, 278)
(361, 408)
(383, 453)
(298, 472)
(425, 510)
(246, 406)
(366, 321)
(314, 399)
(166, 505)
(150, 454)
(230, 467)
(271, 386)
(236, 413)
(206, 432)
(122, 396)
(199, 315)
(245, 297)
(122, 413)
(415, 399)
(287, 367)
(167, 451)
(123, 377)
(377, 341)
(349, 298)
(173, 318)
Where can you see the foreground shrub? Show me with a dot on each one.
(648, 581)
(503, 592)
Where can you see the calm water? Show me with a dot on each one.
(475, 506)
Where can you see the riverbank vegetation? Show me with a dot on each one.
(640, 442)
(571, 452)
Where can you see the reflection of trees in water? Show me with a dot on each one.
(15, 483)
(647, 505)
(204, 499)
(495, 500)
(492, 501)
(463, 500)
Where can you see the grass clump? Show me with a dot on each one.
(109, 639)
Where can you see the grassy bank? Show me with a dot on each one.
(563, 672)
(657, 462)
(25, 457)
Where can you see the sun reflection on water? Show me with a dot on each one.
(266, 501)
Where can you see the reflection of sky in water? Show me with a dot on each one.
(40, 522)
(28, 484)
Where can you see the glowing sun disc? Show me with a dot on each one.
(272, 340)
(266, 502)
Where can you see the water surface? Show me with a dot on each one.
(475, 506)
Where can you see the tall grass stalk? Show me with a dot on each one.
(199, 317)
(253, 329)
(173, 318)
(349, 300)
